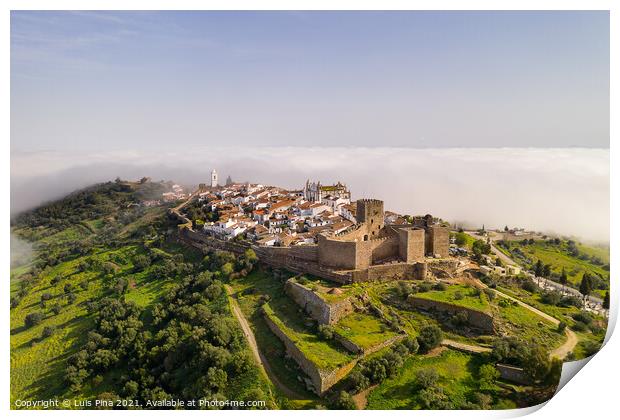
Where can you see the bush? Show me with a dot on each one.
(358, 381)
(561, 327)
(584, 317)
(411, 343)
(580, 326)
(344, 401)
(425, 378)
(529, 286)
(551, 297)
(326, 332)
(48, 331)
(33, 319)
(571, 300)
(458, 295)
(404, 289)
(460, 318)
(429, 338)
(488, 375)
(490, 293)
(440, 286)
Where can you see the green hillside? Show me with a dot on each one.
(104, 284)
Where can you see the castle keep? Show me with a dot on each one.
(371, 242)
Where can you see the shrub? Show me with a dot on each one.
(458, 295)
(580, 326)
(48, 331)
(529, 286)
(571, 300)
(411, 343)
(326, 332)
(488, 375)
(460, 318)
(344, 401)
(358, 381)
(490, 293)
(584, 317)
(551, 297)
(426, 378)
(561, 327)
(440, 286)
(429, 338)
(33, 319)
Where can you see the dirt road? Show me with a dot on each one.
(260, 359)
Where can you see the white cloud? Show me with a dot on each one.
(560, 190)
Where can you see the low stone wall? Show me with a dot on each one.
(208, 243)
(321, 379)
(513, 373)
(477, 319)
(326, 313)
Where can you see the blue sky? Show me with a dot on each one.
(97, 81)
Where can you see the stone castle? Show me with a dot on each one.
(371, 242)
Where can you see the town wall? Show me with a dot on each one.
(338, 254)
(477, 319)
(321, 379)
(388, 272)
(322, 311)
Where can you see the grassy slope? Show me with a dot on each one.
(559, 258)
(364, 330)
(250, 291)
(470, 299)
(456, 376)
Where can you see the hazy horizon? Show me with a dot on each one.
(565, 191)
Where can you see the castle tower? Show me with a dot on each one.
(213, 178)
(370, 212)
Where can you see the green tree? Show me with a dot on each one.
(585, 288)
(429, 338)
(488, 375)
(563, 278)
(606, 300)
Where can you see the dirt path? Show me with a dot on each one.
(568, 346)
(571, 337)
(260, 359)
(361, 399)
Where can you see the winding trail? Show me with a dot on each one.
(260, 359)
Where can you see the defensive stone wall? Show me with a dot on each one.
(326, 313)
(393, 271)
(476, 319)
(321, 379)
(337, 253)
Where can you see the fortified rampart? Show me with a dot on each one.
(323, 312)
(321, 379)
(394, 271)
(476, 319)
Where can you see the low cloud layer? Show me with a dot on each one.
(565, 191)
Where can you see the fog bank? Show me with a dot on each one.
(557, 190)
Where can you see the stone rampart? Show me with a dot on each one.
(388, 272)
(326, 313)
(321, 379)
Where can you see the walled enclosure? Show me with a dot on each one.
(326, 313)
(321, 379)
(477, 319)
